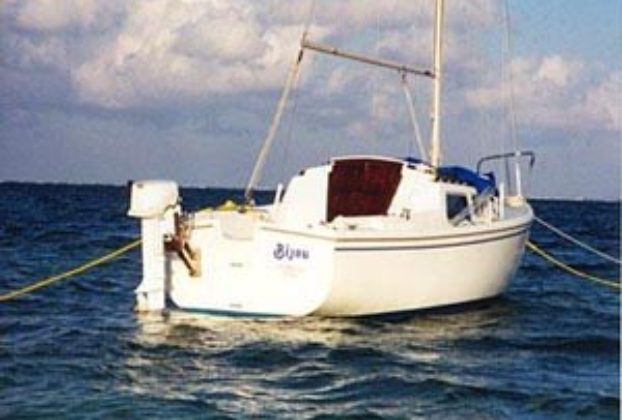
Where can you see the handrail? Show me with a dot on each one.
(508, 155)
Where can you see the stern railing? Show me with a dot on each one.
(514, 180)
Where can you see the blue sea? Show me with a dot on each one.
(548, 348)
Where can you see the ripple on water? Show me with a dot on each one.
(548, 349)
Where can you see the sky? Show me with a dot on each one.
(103, 91)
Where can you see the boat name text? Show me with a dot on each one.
(287, 252)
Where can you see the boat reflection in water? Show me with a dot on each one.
(234, 366)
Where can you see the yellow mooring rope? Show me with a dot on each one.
(84, 267)
(577, 242)
(120, 251)
(226, 206)
(610, 283)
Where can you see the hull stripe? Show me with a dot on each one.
(523, 227)
(437, 246)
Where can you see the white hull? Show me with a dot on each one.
(336, 274)
(357, 236)
(423, 273)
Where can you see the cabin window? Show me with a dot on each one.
(455, 204)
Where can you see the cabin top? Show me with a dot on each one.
(356, 187)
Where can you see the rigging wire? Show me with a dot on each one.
(276, 120)
(374, 92)
(290, 127)
(294, 106)
(413, 118)
(310, 16)
(292, 78)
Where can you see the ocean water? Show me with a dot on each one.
(549, 348)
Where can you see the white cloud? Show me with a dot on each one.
(171, 50)
(50, 15)
(242, 40)
(556, 70)
(182, 50)
(554, 92)
(167, 52)
(356, 14)
(603, 103)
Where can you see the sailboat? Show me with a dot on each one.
(358, 235)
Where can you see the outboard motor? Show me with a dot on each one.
(155, 203)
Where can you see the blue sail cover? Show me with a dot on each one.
(458, 173)
(481, 182)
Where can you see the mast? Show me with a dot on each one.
(435, 152)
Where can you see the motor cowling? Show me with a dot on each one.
(151, 198)
(156, 203)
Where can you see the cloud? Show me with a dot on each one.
(169, 50)
(47, 53)
(534, 79)
(53, 15)
(351, 15)
(555, 92)
(602, 104)
(556, 70)
(159, 53)
(150, 52)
